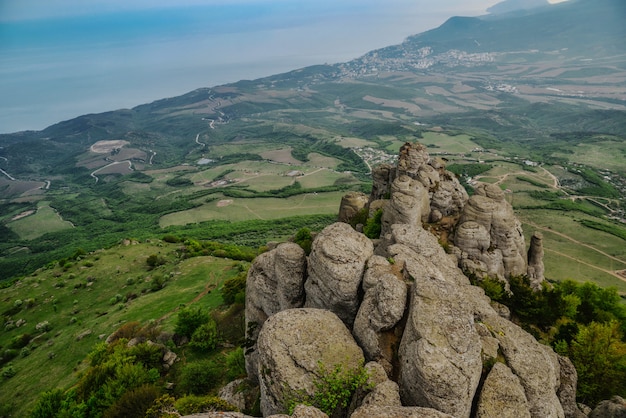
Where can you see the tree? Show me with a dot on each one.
(599, 355)
(190, 319)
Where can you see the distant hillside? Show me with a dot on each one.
(507, 6)
(544, 85)
(585, 27)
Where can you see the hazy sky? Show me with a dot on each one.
(63, 58)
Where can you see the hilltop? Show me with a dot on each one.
(538, 114)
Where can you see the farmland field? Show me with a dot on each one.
(44, 220)
(258, 208)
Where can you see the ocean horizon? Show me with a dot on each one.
(56, 69)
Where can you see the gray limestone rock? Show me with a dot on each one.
(567, 389)
(398, 412)
(382, 308)
(275, 282)
(409, 204)
(411, 158)
(612, 408)
(351, 204)
(440, 353)
(382, 177)
(535, 261)
(446, 194)
(293, 345)
(336, 266)
(303, 411)
(502, 395)
(449, 196)
(536, 365)
(488, 211)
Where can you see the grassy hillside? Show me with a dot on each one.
(60, 312)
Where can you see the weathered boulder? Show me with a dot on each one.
(440, 353)
(382, 177)
(382, 308)
(218, 415)
(411, 158)
(505, 253)
(351, 204)
(398, 412)
(417, 250)
(293, 346)
(409, 204)
(535, 364)
(303, 411)
(502, 395)
(535, 261)
(612, 408)
(567, 389)
(242, 393)
(336, 266)
(448, 196)
(275, 282)
(384, 392)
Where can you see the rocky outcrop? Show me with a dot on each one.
(502, 395)
(275, 282)
(612, 408)
(535, 261)
(336, 266)
(408, 204)
(303, 411)
(398, 412)
(382, 308)
(567, 389)
(500, 248)
(382, 177)
(446, 195)
(384, 399)
(294, 346)
(351, 204)
(403, 303)
(536, 365)
(439, 356)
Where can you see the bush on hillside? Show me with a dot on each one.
(189, 319)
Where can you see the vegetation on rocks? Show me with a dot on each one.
(584, 322)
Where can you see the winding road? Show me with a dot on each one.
(130, 167)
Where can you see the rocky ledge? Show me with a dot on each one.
(433, 344)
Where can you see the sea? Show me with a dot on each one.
(54, 69)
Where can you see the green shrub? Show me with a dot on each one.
(8, 371)
(162, 407)
(172, 239)
(158, 282)
(127, 331)
(150, 355)
(133, 403)
(599, 355)
(48, 404)
(334, 389)
(235, 364)
(304, 239)
(20, 341)
(205, 337)
(373, 225)
(189, 319)
(199, 378)
(155, 260)
(234, 289)
(198, 404)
